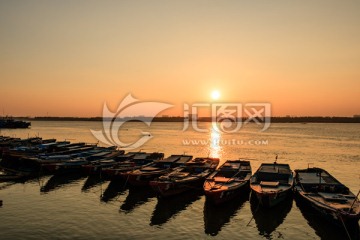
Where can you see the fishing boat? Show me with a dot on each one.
(106, 160)
(51, 163)
(228, 181)
(78, 161)
(95, 167)
(34, 156)
(142, 176)
(327, 195)
(8, 122)
(30, 161)
(129, 162)
(272, 183)
(70, 166)
(108, 153)
(189, 177)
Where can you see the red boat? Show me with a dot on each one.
(129, 162)
(189, 177)
(228, 181)
(144, 175)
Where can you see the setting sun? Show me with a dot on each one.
(215, 94)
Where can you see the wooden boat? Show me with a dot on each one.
(52, 162)
(95, 167)
(189, 177)
(272, 183)
(34, 163)
(70, 166)
(142, 176)
(9, 122)
(106, 161)
(228, 181)
(34, 156)
(327, 195)
(129, 162)
(106, 154)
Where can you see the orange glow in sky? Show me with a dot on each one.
(68, 58)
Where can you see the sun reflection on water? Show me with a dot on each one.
(215, 149)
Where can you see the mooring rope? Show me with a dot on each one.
(126, 180)
(256, 210)
(342, 221)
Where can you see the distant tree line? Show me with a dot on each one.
(287, 119)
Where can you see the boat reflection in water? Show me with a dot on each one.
(92, 181)
(6, 185)
(324, 228)
(58, 181)
(167, 208)
(217, 216)
(267, 220)
(136, 197)
(113, 190)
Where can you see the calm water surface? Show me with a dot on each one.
(77, 207)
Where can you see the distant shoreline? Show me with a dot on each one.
(202, 119)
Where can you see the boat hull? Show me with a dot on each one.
(140, 180)
(112, 174)
(221, 196)
(331, 214)
(318, 189)
(95, 169)
(271, 199)
(91, 170)
(167, 188)
(272, 183)
(117, 173)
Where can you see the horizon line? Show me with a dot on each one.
(166, 116)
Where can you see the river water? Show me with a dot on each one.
(78, 207)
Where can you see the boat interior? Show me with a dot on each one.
(272, 175)
(233, 169)
(321, 182)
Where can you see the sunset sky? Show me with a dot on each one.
(66, 58)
